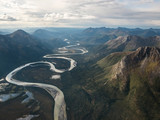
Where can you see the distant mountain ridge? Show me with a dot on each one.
(52, 33)
(127, 43)
(19, 33)
(45, 34)
(122, 31)
(103, 34)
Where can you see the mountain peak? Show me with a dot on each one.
(41, 31)
(141, 58)
(148, 50)
(19, 33)
(152, 52)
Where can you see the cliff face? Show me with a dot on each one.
(142, 57)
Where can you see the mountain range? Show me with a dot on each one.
(103, 34)
(121, 86)
(45, 34)
(122, 31)
(128, 43)
(52, 33)
(117, 80)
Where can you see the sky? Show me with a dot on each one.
(80, 13)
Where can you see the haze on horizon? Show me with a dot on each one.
(79, 13)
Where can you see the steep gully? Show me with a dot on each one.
(55, 92)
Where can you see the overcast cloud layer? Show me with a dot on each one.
(79, 13)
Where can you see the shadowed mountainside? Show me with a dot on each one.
(19, 47)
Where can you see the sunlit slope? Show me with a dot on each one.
(127, 85)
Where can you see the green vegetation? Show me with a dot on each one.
(111, 59)
(133, 95)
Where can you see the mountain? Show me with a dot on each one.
(134, 81)
(103, 34)
(121, 86)
(52, 33)
(45, 34)
(17, 48)
(127, 43)
(94, 31)
(95, 36)
(19, 33)
(97, 39)
(120, 31)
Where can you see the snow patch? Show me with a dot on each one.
(5, 97)
(27, 117)
(30, 97)
(62, 52)
(65, 39)
(56, 77)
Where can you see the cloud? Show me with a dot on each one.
(146, 1)
(80, 13)
(53, 16)
(5, 17)
(66, 16)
